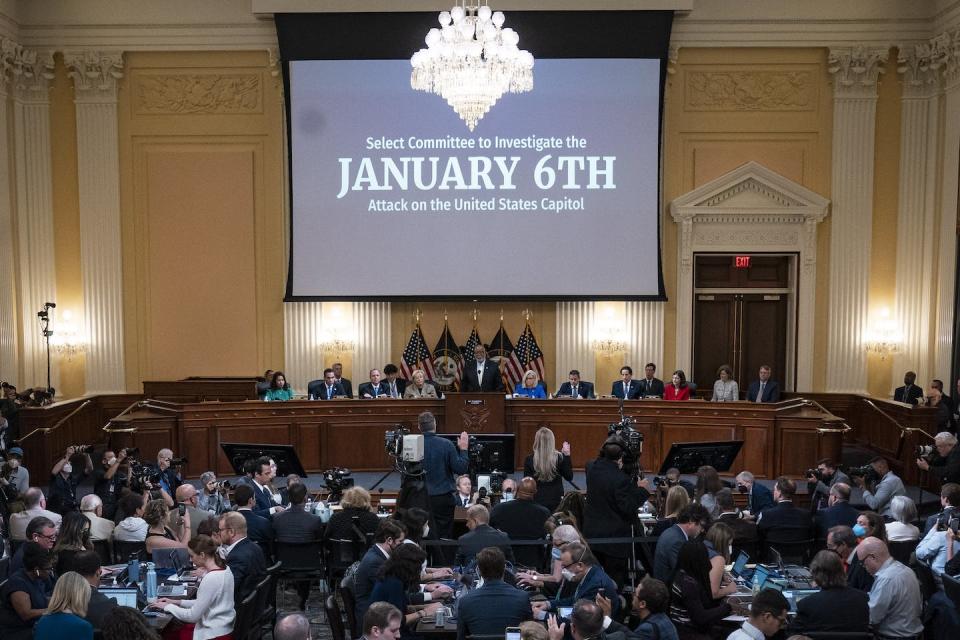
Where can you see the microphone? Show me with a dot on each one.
(52, 305)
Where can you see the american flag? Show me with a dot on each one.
(528, 352)
(467, 349)
(416, 356)
(447, 362)
(501, 350)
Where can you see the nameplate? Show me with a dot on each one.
(477, 403)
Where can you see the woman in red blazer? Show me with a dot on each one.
(678, 390)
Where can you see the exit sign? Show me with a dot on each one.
(741, 262)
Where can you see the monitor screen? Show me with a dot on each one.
(123, 597)
(740, 564)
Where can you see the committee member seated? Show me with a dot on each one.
(650, 385)
(396, 386)
(838, 511)
(494, 606)
(26, 593)
(626, 388)
(725, 389)
(328, 388)
(895, 600)
(581, 568)
(910, 392)
(836, 607)
(764, 389)
(784, 522)
(279, 389)
(522, 519)
(768, 615)
(419, 387)
(678, 389)
(373, 389)
(530, 386)
(549, 468)
(34, 505)
(758, 496)
(344, 383)
(651, 602)
(691, 522)
(575, 387)
(480, 536)
(878, 493)
(482, 374)
(945, 464)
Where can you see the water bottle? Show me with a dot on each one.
(756, 583)
(133, 568)
(151, 582)
(441, 620)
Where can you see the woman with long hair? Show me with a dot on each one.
(74, 537)
(693, 609)
(159, 535)
(678, 389)
(66, 612)
(708, 484)
(210, 615)
(870, 523)
(677, 499)
(399, 576)
(719, 543)
(127, 623)
(549, 468)
(279, 388)
(354, 512)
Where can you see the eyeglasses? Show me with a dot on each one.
(52, 537)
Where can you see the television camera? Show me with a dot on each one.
(867, 472)
(336, 480)
(405, 449)
(630, 440)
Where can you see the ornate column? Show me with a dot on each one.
(915, 210)
(645, 335)
(855, 72)
(947, 51)
(371, 324)
(95, 75)
(574, 331)
(34, 193)
(10, 58)
(302, 359)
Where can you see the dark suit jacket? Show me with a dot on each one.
(771, 391)
(491, 609)
(264, 501)
(365, 577)
(492, 381)
(100, 605)
(296, 526)
(916, 392)
(318, 389)
(549, 494)
(588, 588)
(347, 387)
(744, 532)
(665, 556)
(584, 389)
(367, 387)
(632, 393)
(760, 499)
(652, 388)
(858, 577)
(522, 520)
(481, 537)
(612, 503)
(401, 386)
(785, 523)
(259, 528)
(248, 566)
(840, 513)
(841, 609)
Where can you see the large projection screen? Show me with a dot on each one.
(554, 195)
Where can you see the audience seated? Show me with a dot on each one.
(381, 622)
(768, 615)
(480, 536)
(355, 520)
(188, 496)
(64, 617)
(836, 607)
(259, 528)
(87, 564)
(581, 568)
(34, 505)
(759, 497)
(244, 557)
(744, 532)
(133, 528)
(895, 599)
(495, 605)
(838, 511)
(91, 506)
(586, 623)
(73, 537)
(933, 549)
(902, 528)
(127, 623)
(388, 537)
(159, 536)
(843, 541)
(26, 593)
(719, 543)
(708, 484)
(651, 602)
(692, 606)
(677, 498)
(522, 519)
(399, 577)
(548, 583)
(691, 522)
(784, 522)
(41, 531)
(870, 524)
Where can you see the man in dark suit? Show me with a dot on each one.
(692, 520)
(842, 541)
(264, 504)
(494, 606)
(575, 387)
(612, 503)
(758, 496)
(650, 385)
(581, 568)
(296, 526)
(839, 511)
(784, 522)
(373, 389)
(626, 388)
(87, 564)
(480, 536)
(909, 392)
(389, 536)
(245, 558)
(745, 533)
(522, 519)
(259, 528)
(395, 385)
(328, 388)
(344, 383)
(837, 607)
(764, 389)
(483, 374)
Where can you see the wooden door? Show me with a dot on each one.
(715, 337)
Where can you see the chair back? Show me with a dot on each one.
(791, 549)
(122, 550)
(105, 550)
(299, 558)
(340, 555)
(951, 587)
(245, 615)
(901, 551)
(928, 584)
(350, 608)
(334, 618)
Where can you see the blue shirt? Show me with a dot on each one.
(660, 623)
(536, 392)
(56, 626)
(442, 462)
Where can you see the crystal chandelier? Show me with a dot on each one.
(471, 60)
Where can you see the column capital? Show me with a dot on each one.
(856, 70)
(94, 73)
(946, 48)
(918, 65)
(31, 73)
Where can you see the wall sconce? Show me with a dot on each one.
(883, 337)
(336, 336)
(68, 341)
(608, 335)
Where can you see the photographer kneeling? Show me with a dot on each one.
(943, 459)
(214, 498)
(822, 479)
(879, 485)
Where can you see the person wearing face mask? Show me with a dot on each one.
(838, 511)
(18, 475)
(758, 496)
(389, 536)
(843, 542)
(480, 536)
(522, 519)
(494, 606)
(109, 481)
(64, 479)
(580, 566)
(650, 605)
(896, 603)
(548, 583)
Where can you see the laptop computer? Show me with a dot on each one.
(123, 596)
(739, 568)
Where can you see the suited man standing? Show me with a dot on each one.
(344, 383)
(784, 522)
(480, 536)
(373, 389)
(265, 505)
(909, 392)
(244, 557)
(522, 519)
(575, 387)
(328, 388)
(496, 605)
(482, 375)
(838, 511)
(650, 385)
(627, 388)
(764, 389)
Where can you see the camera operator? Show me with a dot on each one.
(442, 462)
(169, 471)
(944, 461)
(821, 480)
(64, 480)
(215, 496)
(108, 481)
(18, 474)
(613, 499)
(879, 490)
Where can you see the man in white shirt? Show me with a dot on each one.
(768, 614)
(92, 508)
(895, 600)
(35, 505)
(932, 549)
